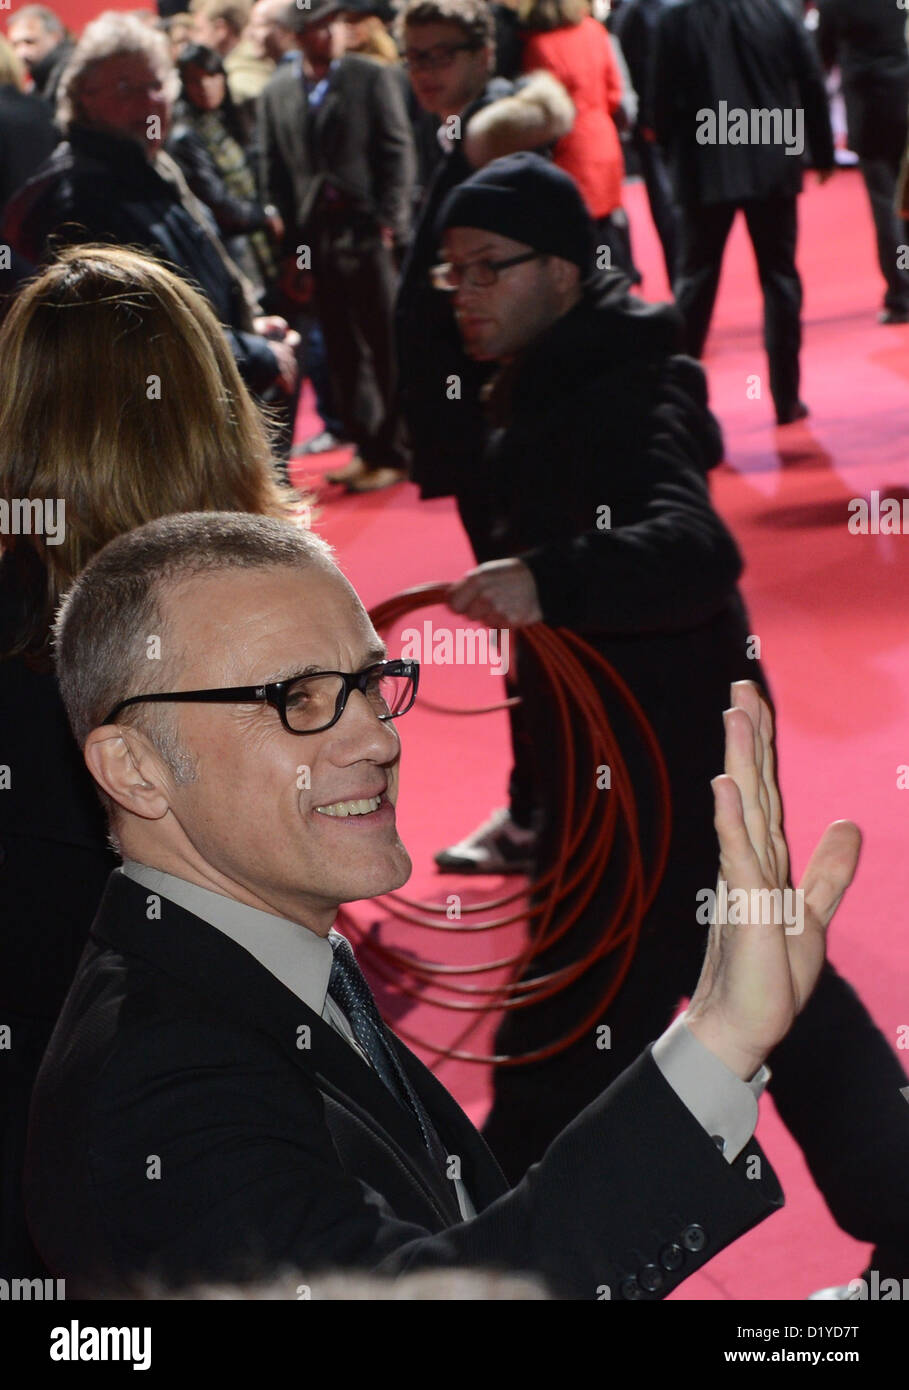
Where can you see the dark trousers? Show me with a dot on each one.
(772, 226)
(318, 372)
(880, 177)
(356, 280)
(661, 198)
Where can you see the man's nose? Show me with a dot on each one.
(362, 734)
(466, 293)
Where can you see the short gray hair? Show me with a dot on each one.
(52, 22)
(105, 620)
(109, 36)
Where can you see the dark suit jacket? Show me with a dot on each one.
(445, 435)
(867, 39)
(754, 55)
(179, 1128)
(358, 140)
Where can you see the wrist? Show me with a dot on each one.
(745, 1062)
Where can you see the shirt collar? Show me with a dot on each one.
(293, 954)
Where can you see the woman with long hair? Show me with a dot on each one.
(120, 403)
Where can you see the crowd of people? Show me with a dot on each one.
(418, 210)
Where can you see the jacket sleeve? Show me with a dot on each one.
(255, 360)
(614, 84)
(826, 35)
(233, 215)
(665, 80)
(275, 182)
(392, 155)
(675, 565)
(251, 1181)
(813, 96)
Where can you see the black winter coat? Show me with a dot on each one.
(601, 412)
(99, 187)
(753, 55)
(27, 136)
(445, 428)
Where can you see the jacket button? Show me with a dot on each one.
(631, 1289)
(694, 1238)
(672, 1257)
(651, 1278)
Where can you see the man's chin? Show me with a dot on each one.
(373, 880)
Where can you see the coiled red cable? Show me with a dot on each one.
(567, 661)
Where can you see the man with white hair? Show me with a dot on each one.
(111, 181)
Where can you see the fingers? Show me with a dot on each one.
(739, 862)
(830, 871)
(742, 763)
(775, 801)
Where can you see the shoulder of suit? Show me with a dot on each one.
(286, 78)
(367, 69)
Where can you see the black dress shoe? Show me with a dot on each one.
(792, 414)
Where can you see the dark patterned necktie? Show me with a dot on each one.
(348, 988)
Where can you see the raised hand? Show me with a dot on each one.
(758, 976)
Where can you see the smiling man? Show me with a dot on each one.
(220, 1098)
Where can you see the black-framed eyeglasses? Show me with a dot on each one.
(449, 277)
(310, 703)
(441, 55)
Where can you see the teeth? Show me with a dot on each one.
(351, 808)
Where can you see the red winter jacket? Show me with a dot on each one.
(581, 57)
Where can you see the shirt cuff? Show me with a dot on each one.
(724, 1105)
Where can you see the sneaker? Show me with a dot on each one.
(374, 479)
(354, 468)
(322, 443)
(498, 846)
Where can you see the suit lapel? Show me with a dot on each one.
(294, 113)
(481, 1173)
(322, 123)
(201, 958)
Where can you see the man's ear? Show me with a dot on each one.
(566, 274)
(124, 765)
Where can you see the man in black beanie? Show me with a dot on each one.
(590, 511)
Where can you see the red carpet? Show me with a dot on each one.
(830, 609)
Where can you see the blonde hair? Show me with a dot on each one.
(12, 73)
(109, 36)
(376, 41)
(122, 400)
